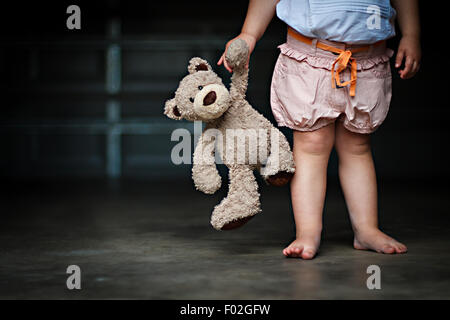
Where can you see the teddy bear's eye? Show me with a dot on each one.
(200, 87)
(191, 99)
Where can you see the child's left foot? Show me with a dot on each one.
(378, 241)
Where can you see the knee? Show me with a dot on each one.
(352, 144)
(315, 142)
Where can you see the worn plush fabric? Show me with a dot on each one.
(303, 99)
(229, 117)
(350, 21)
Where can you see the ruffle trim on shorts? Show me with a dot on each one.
(363, 63)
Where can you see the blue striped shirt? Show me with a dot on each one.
(356, 21)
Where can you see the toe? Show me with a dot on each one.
(400, 248)
(294, 252)
(307, 254)
(388, 249)
(298, 251)
(291, 252)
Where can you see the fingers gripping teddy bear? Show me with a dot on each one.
(201, 96)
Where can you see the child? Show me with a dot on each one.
(335, 66)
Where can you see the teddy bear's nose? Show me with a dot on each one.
(210, 98)
(176, 112)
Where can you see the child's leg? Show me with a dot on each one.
(358, 181)
(311, 153)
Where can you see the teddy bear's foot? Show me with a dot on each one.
(236, 223)
(280, 179)
(241, 202)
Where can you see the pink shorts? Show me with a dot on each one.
(303, 99)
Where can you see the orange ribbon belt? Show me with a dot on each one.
(342, 61)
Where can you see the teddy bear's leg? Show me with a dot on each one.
(242, 201)
(279, 168)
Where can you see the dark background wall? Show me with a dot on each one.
(88, 103)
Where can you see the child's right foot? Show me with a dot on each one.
(305, 246)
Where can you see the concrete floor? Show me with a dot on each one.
(152, 240)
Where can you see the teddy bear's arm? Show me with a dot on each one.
(237, 54)
(204, 171)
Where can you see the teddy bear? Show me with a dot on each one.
(228, 117)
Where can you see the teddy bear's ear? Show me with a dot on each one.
(171, 110)
(198, 64)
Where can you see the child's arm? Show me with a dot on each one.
(259, 15)
(409, 47)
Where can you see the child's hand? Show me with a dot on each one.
(409, 50)
(251, 42)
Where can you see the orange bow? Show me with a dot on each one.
(342, 61)
(345, 56)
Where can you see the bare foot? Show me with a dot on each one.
(305, 246)
(374, 239)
